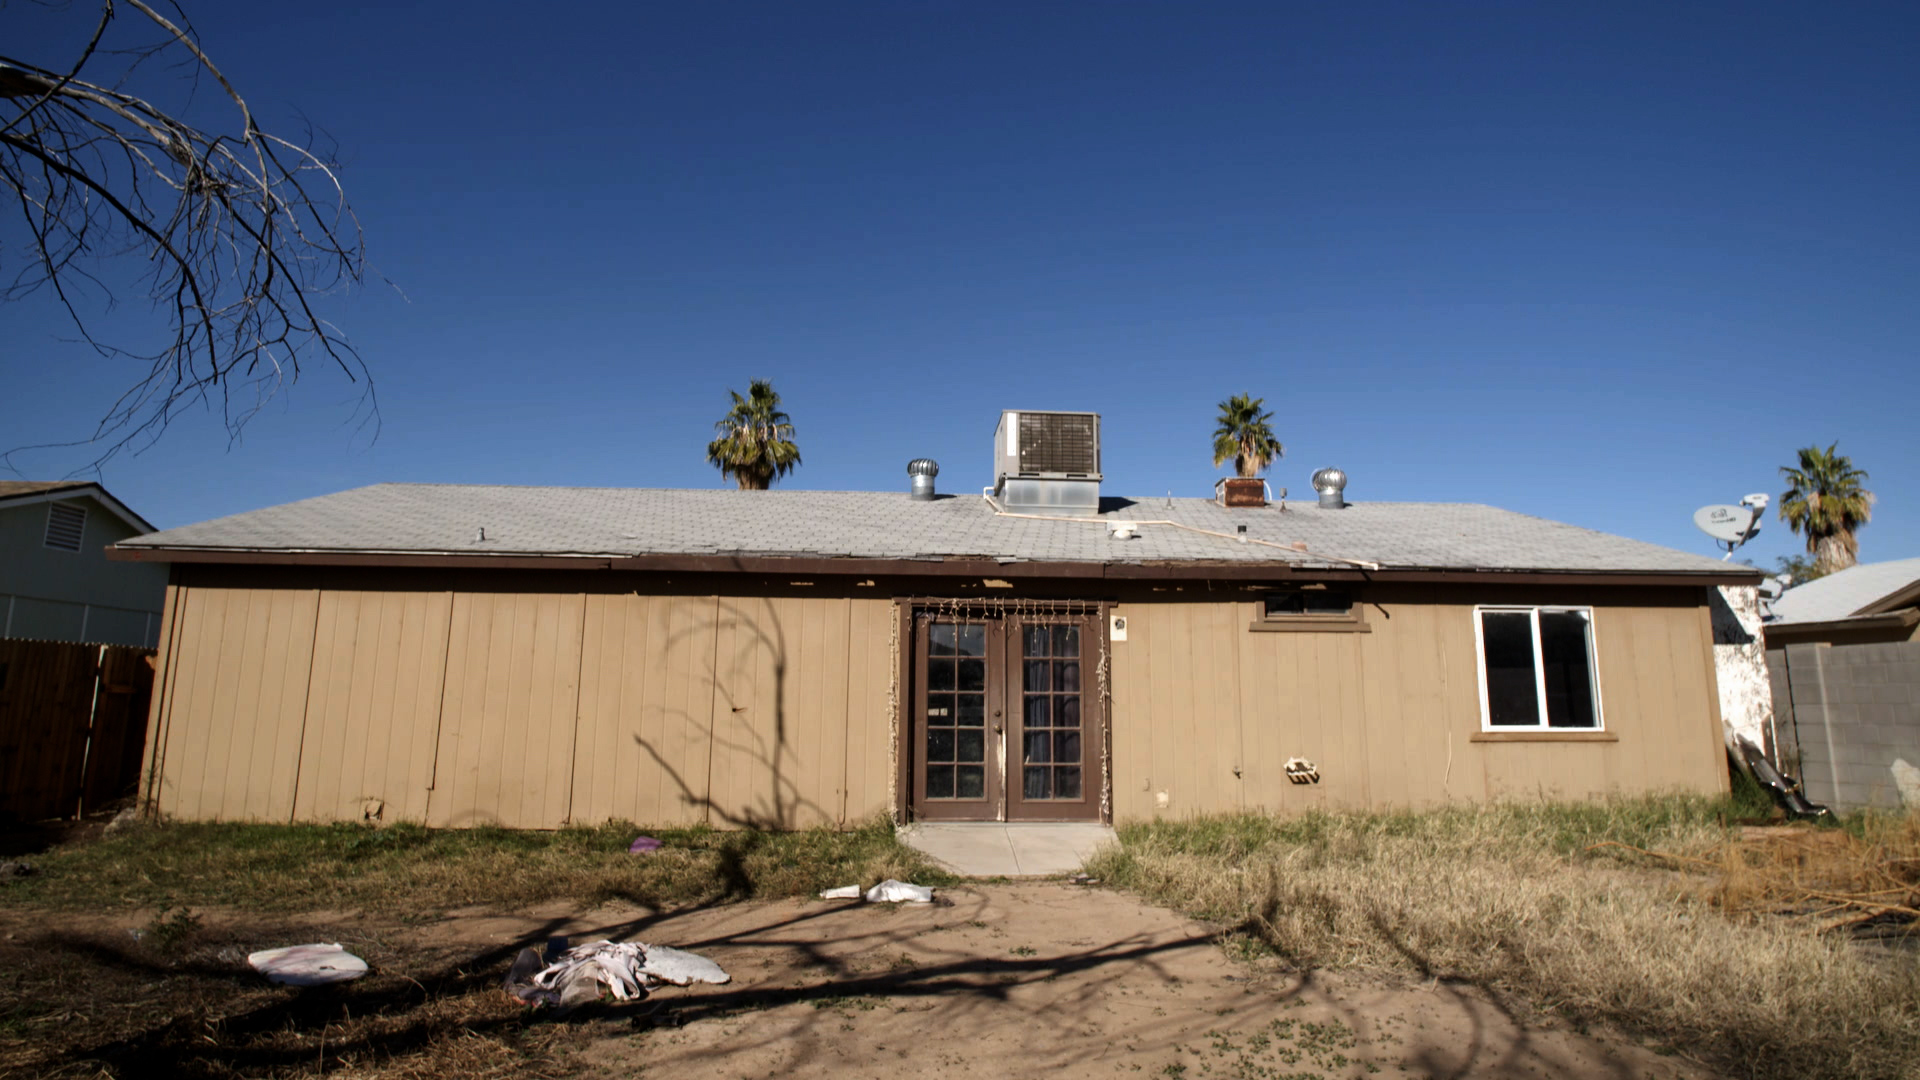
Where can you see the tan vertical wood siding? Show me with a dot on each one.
(506, 746)
(432, 699)
(379, 660)
(646, 710)
(523, 709)
(1389, 717)
(236, 686)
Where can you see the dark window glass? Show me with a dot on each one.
(1566, 662)
(1037, 677)
(1066, 641)
(1037, 710)
(1066, 747)
(1066, 676)
(940, 781)
(1037, 748)
(973, 674)
(1035, 640)
(972, 746)
(940, 744)
(1512, 695)
(973, 640)
(1069, 712)
(1066, 782)
(940, 639)
(1310, 602)
(971, 711)
(973, 781)
(1038, 782)
(939, 674)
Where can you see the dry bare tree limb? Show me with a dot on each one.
(237, 231)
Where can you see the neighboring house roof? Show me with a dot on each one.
(1863, 590)
(442, 519)
(24, 492)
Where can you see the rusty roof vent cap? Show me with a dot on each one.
(1330, 483)
(920, 473)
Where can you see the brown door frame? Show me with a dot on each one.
(1092, 722)
(1005, 747)
(990, 806)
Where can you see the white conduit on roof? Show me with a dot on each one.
(1288, 548)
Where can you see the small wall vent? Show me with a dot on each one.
(66, 526)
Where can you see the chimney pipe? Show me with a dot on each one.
(921, 472)
(1330, 483)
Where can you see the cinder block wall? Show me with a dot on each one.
(1856, 710)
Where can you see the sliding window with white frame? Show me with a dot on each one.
(1537, 669)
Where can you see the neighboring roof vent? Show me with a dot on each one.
(1330, 483)
(921, 471)
(1048, 462)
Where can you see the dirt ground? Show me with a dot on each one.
(1024, 979)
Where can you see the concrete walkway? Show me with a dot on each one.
(1000, 849)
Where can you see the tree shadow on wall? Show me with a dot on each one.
(778, 803)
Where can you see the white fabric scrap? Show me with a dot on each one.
(891, 891)
(844, 892)
(307, 965)
(627, 969)
(681, 968)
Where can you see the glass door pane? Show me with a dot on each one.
(1052, 748)
(954, 746)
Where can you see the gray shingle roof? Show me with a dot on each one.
(1842, 594)
(9, 488)
(445, 518)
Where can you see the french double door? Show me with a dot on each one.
(1007, 724)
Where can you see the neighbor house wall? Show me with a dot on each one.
(514, 700)
(1207, 712)
(1855, 710)
(54, 595)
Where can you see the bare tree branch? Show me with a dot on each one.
(239, 231)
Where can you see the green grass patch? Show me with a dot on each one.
(410, 870)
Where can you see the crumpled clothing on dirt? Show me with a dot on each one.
(627, 970)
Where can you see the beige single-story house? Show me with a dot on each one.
(533, 657)
(56, 583)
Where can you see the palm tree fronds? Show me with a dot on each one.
(1826, 503)
(755, 445)
(1244, 433)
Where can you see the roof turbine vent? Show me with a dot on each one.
(1330, 483)
(921, 472)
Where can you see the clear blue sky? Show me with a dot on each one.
(1600, 263)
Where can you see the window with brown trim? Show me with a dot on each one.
(1310, 608)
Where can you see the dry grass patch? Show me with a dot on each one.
(409, 870)
(1555, 905)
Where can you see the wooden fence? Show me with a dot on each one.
(73, 724)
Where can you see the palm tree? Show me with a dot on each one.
(755, 446)
(1825, 501)
(1245, 436)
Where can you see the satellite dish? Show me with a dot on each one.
(1727, 524)
(1730, 526)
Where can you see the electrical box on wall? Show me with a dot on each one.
(1116, 627)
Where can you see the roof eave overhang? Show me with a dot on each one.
(88, 490)
(1783, 633)
(929, 567)
(1903, 597)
